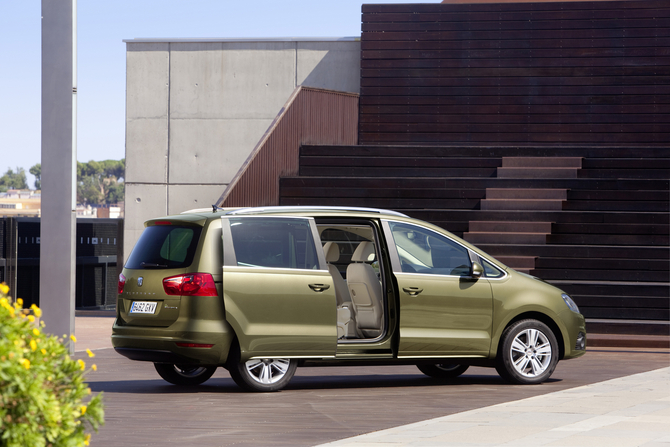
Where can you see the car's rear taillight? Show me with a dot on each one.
(122, 283)
(190, 284)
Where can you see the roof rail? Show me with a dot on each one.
(276, 209)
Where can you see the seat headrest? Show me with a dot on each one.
(365, 252)
(332, 251)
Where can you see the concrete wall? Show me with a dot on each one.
(195, 109)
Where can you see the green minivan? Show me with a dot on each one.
(261, 291)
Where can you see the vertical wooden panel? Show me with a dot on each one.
(310, 116)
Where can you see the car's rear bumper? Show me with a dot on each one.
(155, 356)
(160, 345)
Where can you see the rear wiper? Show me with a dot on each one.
(151, 265)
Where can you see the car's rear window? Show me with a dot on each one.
(165, 246)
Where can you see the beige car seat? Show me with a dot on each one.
(346, 313)
(365, 290)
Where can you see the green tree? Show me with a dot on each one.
(13, 180)
(115, 193)
(98, 182)
(36, 170)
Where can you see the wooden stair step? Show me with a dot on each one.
(542, 162)
(629, 341)
(609, 239)
(518, 262)
(398, 172)
(601, 275)
(526, 193)
(505, 238)
(628, 327)
(488, 226)
(548, 173)
(592, 263)
(646, 174)
(521, 204)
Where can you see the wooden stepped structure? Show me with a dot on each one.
(605, 238)
(523, 199)
(538, 130)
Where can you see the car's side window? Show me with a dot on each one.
(491, 271)
(273, 242)
(424, 251)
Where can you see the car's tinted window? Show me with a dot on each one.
(424, 251)
(165, 246)
(273, 242)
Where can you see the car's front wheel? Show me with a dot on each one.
(528, 353)
(443, 370)
(261, 375)
(186, 375)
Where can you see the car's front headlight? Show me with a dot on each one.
(570, 303)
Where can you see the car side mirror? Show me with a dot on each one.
(477, 270)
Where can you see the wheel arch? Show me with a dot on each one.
(539, 316)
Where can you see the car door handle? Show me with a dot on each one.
(412, 291)
(319, 287)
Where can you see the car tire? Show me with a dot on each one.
(443, 370)
(528, 353)
(184, 375)
(260, 375)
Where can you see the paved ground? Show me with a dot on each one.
(324, 405)
(629, 411)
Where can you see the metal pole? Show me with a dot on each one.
(59, 165)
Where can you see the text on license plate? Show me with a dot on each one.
(143, 307)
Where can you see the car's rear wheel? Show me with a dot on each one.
(186, 375)
(443, 370)
(528, 353)
(262, 375)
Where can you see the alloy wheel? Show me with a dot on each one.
(267, 371)
(531, 352)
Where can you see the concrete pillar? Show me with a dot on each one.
(59, 165)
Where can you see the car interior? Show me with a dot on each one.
(353, 262)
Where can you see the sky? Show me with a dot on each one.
(102, 25)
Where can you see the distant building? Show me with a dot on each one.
(20, 203)
(112, 211)
(27, 203)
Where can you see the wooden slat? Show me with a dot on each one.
(552, 81)
(613, 17)
(447, 22)
(404, 162)
(601, 275)
(477, 126)
(515, 7)
(616, 194)
(528, 110)
(503, 118)
(502, 45)
(373, 193)
(602, 264)
(357, 171)
(517, 34)
(534, 138)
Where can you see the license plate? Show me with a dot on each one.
(143, 307)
